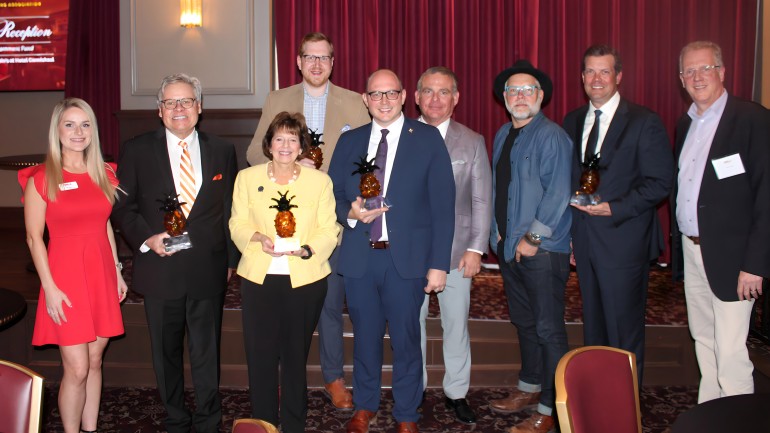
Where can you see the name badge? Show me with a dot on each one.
(728, 166)
(66, 186)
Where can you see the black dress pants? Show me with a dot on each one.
(278, 325)
(202, 319)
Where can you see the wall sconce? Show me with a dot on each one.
(190, 14)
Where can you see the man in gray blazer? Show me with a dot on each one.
(329, 110)
(437, 95)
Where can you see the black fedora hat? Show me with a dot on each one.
(523, 66)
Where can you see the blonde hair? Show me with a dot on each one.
(97, 169)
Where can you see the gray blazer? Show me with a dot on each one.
(473, 185)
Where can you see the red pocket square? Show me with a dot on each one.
(218, 177)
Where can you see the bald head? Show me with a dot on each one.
(384, 97)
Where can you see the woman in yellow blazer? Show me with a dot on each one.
(282, 293)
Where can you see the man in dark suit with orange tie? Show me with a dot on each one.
(184, 290)
(615, 240)
(390, 257)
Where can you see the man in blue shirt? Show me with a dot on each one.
(531, 168)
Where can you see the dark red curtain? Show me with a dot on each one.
(480, 38)
(93, 64)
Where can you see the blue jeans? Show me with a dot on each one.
(535, 291)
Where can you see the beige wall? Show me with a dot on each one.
(230, 54)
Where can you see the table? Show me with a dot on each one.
(737, 413)
(17, 162)
(12, 306)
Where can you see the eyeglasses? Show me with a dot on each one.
(704, 70)
(312, 59)
(390, 94)
(170, 104)
(514, 91)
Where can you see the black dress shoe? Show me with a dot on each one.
(463, 412)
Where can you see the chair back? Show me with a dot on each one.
(21, 398)
(597, 391)
(251, 425)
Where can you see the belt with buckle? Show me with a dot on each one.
(694, 239)
(379, 245)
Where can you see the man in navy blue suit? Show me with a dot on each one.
(615, 240)
(390, 257)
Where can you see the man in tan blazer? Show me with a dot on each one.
(329, 110)
(437, 95)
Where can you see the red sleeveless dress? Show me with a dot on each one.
(80, 259)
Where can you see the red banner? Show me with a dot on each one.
(33, 44)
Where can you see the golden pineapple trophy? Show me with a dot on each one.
(314, 152)
(285, 224)
(369, 185)
(589, 183)
(175, 223)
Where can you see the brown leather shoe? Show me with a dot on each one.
(407, 427)
(339, 395)
(537, 423)
(361, 421)
(515, 402)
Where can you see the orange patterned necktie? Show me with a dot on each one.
(186, 180)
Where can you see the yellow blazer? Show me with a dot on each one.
(314, 214)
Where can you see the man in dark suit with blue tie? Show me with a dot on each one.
(390, 257)
(615, 240)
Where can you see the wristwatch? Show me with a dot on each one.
(533, 239)
(309, 252)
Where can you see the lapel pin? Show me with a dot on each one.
(410, 130)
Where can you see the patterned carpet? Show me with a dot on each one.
(138, 410)
(665, 305)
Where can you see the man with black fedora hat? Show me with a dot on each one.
(531, 167)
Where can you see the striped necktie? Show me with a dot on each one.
(186, 180)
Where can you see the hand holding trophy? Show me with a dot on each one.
(589, 183)
(174, 222)
(285, 224)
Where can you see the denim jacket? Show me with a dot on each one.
(539, 192)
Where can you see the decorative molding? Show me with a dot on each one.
(192, 47)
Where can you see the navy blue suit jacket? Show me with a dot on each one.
(636, 175)
(421, 189)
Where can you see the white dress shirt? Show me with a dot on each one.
(394, 133)
(608, 112)
(692, 163)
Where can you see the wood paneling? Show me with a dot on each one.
(236, 126)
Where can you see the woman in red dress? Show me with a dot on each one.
(81, 286)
